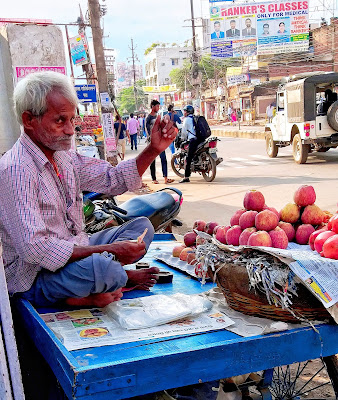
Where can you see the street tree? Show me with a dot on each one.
(126, 99)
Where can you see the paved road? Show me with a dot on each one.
(246, 166)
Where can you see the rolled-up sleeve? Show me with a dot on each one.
(100, 176)
(23, 222)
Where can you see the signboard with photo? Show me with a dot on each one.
(259, 28)
(78, 51)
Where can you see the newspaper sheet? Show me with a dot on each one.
(95, 327)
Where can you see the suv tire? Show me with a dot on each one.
(300, 151)
(271, 147)
(332, 116)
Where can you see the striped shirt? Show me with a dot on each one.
(41, 217)
(132, 126)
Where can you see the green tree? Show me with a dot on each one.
(126, 98)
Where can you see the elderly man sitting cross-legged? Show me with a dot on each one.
(47, 255)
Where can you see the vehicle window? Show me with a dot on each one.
(280, 101)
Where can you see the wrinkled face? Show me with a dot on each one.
(232, 25)
(248, 23)
(217, 27)
(54, 130)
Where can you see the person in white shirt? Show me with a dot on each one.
(269, 112)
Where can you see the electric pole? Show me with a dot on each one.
(133, 57)
(195, 74)
(94, 11)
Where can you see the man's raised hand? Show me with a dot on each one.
(162, 134)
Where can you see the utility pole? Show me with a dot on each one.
(133, 57)
(94, 10)
(195, 73)
(102, 80)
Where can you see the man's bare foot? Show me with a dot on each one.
(96, 300)
(142, 278)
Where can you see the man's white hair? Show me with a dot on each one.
(31, 92)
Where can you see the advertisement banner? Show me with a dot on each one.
(78, 51)
(259, 28)
(159, 89)
(22, 72)
(109, 133)
(233, 80)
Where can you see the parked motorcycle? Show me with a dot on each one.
(161, 208)
(204, 162)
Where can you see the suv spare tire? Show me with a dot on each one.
(332, 116)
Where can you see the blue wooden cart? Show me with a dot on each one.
(127, 370)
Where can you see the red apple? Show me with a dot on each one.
(254, 200)
(221, 233)
(330, 247)
(290, 213)
(190, 239)
(191, 258)
(199, 225)
(184, 253)
(304, 196)
(210, 227)
(321, 239)
(312, 215)
(244, 237)
(303, 233)
(334, 224)
(247, 219)
(233, 234)
(288, 229)
(260, 238)
(177, 250)
(266, 220)
(279, 238)
(314, 235)
(234, 220)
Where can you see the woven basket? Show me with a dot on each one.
(233, 280)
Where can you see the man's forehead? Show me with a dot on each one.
(56, 101)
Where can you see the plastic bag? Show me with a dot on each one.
(145, 312)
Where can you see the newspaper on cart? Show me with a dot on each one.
(318, 274)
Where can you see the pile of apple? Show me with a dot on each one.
(325, 240)
(259, 225)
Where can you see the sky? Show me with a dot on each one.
(145, 21)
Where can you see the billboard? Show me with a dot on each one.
(259, 28)
(22, 71)
(159, 89)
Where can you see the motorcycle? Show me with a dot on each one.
(204, 161)
(162, 207)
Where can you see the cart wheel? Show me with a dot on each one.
(299, 380)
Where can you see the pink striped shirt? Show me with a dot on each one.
(132, 126)
(41, 217)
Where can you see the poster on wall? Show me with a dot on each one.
(78, 51)
(259, 28)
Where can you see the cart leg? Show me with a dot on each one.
(331, 363)
(265, 383)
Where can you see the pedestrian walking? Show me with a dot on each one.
(233, 117)
(269, 112)
(150, 120)
(133, 128)
(120, 134)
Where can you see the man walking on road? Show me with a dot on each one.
(150, 120)
(269, 113)
(133, 128)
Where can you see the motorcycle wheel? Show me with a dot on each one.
(209, 174)
(177, 164)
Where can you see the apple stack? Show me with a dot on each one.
(259, 225)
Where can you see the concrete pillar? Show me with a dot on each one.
(9, 127)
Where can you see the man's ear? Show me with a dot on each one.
(28, 119)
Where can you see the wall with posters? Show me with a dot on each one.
(258, 28)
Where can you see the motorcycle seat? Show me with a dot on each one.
(155, 206)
